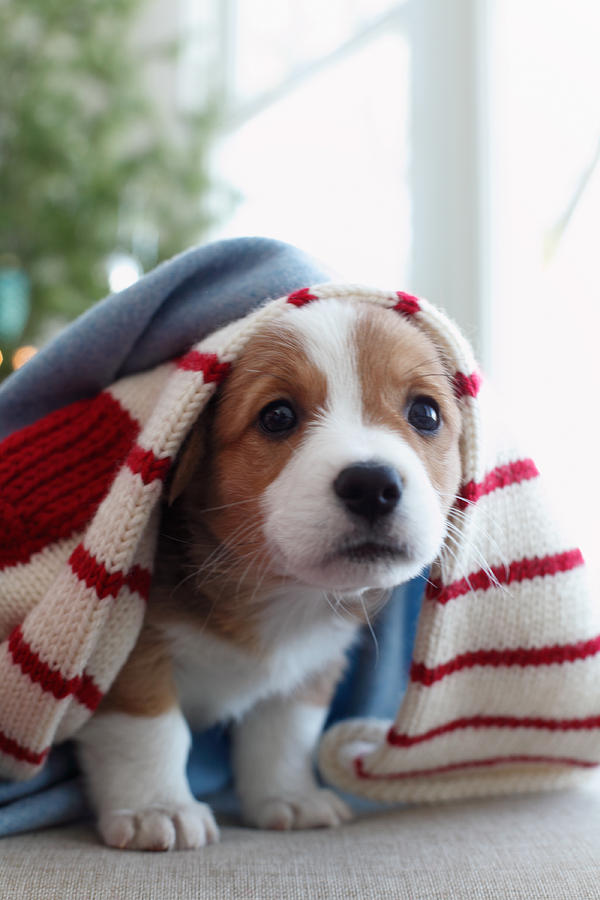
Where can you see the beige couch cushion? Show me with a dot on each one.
(542, 846)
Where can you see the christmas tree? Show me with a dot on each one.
(87, 168)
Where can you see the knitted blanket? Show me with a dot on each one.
(501, 694)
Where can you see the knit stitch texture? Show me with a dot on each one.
(502, 686)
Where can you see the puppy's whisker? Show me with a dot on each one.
(373, 635)
(484, 564)
(261, 575)
(447, 550)
(254, 556)
(338, 599)
(455, 511)
(181, 583)
(468, 543)
(334, 606)
(209, 509)
(223, 547)
(234, 539)
(456, 535)
(221, 565)
(426, 580)
(482, 531)
(235, 551)
(171, 537)
(458, 515)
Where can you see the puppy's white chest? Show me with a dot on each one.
(217, 680)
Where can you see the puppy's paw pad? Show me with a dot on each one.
(177, 827)
(319, 808)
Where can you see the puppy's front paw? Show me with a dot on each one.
(177, 827)
(317, 808)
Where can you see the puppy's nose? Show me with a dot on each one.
(369, 489)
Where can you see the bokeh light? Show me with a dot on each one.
(123, 270)
(23, 355)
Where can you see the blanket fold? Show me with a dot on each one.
(501, 694)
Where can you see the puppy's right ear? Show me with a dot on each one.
(188, 459)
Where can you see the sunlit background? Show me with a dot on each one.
(450, 148)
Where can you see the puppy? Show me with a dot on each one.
(320, 477)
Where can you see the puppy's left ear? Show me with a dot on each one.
(188, 459)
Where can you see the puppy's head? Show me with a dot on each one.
(332, 457)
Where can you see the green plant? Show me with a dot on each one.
(87, 166)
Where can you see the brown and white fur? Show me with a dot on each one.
(266, 570)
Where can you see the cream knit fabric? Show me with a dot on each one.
(507, 654)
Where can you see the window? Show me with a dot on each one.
(544, 308)
(447, 147)
(317, 143)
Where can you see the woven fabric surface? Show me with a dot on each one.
(543, 847)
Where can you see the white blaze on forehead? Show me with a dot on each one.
(327, 332)
(305, 522)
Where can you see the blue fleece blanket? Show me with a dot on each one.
(155, 319)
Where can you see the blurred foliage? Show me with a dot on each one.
(87, 166)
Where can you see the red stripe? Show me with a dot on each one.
(50, 679)
(139, 580)
(107, 584)
(207, 363)
(94, 573)
(466, 384)
(557, 654)
(518, 570)
(500, 477)
(301, 297)
(474, 764)
(18, 751)
(147, 464)
(88, 693)
(407, 304)
(397, 739)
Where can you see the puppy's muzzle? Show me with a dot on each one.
(369, 489)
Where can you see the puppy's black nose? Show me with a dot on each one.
(369, 489)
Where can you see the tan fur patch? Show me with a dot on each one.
(189, 458)
(145, 685)
(222, 505)
(398, 363)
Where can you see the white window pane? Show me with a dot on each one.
(546, 310)
(273, 39)
(201, 69)
(325, 168)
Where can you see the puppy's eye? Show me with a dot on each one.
(424, 415)
(277, 417)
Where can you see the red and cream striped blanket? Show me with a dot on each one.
(502, 692)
